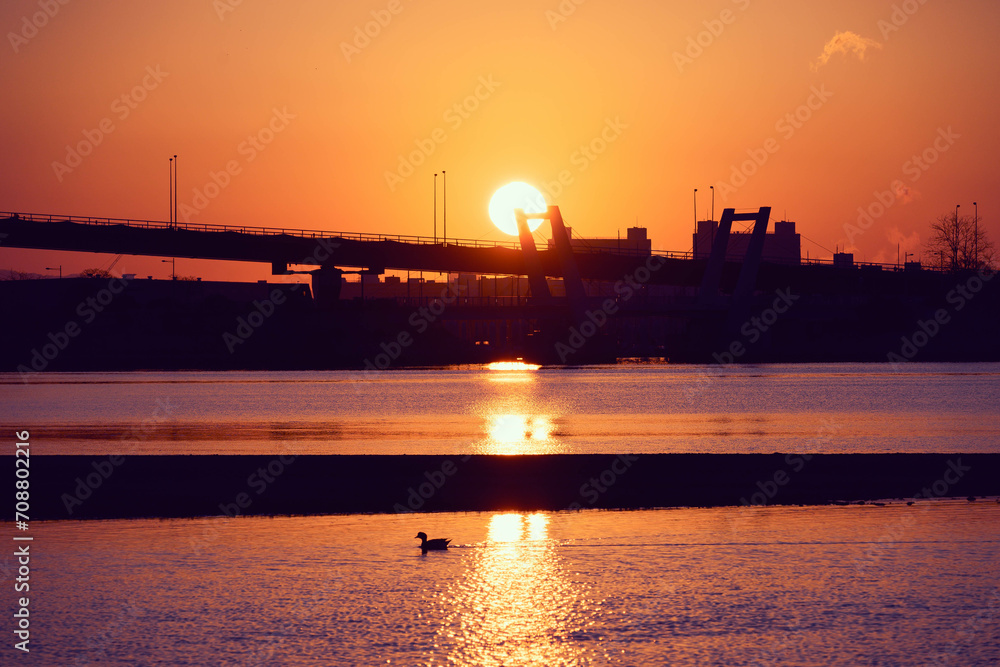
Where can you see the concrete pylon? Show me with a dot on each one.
(572, 281)
(532, 263)
(711, 281)
(751, 262)
(326, 283)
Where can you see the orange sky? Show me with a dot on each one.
(625, 78)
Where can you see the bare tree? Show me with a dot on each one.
(957, 242)
(95, 273)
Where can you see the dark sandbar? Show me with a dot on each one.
(86, 487)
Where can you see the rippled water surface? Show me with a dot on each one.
(869, 585)
(638, 408)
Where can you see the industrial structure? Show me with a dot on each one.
(573, 301)
(783, 246)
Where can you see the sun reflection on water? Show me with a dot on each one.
(516, 605)
(519, 434)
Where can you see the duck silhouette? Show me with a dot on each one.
(439, 544)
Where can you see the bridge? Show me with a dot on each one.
(282, 247)
(720, 295)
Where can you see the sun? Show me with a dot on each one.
(513, 196)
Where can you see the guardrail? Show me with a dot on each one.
(258, 231)
(397, 238)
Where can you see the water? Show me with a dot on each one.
(868, 585)
(816, 408)
(892, 585)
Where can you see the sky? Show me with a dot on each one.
(307, 114)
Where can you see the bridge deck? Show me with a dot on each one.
(278, 245)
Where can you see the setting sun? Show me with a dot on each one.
(513, 196)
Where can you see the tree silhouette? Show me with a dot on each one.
(95, 273)
(957, 244)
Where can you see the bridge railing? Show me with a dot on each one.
(259, 231)
(578, 248)
(315, 234)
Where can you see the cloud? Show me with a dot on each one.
(907, 242)
(904, 193)
(845, 42)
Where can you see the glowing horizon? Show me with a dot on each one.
(336, 117)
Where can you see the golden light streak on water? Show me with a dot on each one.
(516, 605)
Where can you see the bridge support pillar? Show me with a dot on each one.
(326, 282)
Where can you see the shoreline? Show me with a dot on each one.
(186, 486)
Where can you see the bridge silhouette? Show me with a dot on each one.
(700, 310)
(283, 247)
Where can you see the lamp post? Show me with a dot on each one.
(976, 232)
(175, 192)
(444, 204)
(170, 193)
(435, 207)
(696, 211)
(954, 259)
(55, 268)
(712, 187)
(173, 267)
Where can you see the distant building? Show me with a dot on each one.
(782, 246)
(636, 242)
(843, 260)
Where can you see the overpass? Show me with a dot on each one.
(284, 247)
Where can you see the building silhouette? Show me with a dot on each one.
(782, 246)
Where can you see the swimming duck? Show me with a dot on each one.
(438, 544)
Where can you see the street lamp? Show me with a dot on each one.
(957, 240)
(712, 187)
(976, 232)
(696, 210)
(173, 267)
(55, 268)
(170, 193)
(435, 207)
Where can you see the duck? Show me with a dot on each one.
(439, 544)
